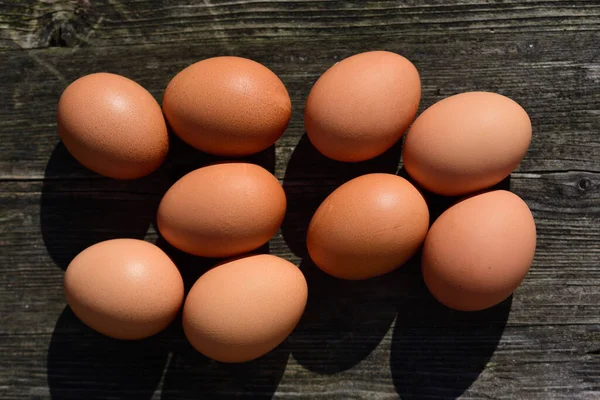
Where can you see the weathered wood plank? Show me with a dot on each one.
(344, 323)
(543, 343)
(561, 96)
(39, 24)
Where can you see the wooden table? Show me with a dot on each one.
(379, 339)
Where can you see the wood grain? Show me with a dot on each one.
(39, 24)
(381, 339)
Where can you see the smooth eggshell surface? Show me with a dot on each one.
(112, 126)
(367, 227)
(124, 288)
(242, 309)
(479, 250)
(467, 142)
(228, 106)
(361, 106)
(222, 210)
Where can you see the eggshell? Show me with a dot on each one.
(222, 210)
(367, 227)
(112, 126)
(244, 308)
(362, 106)
(467, 142)
(479, 250)
(228, 106)
(124, 288)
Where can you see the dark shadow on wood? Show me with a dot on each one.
(192, 376)
(191, 267)
(344, 320)
(504, 184)
(265, 159)
(310, 177)
(437, 203)
(83, 364)
(183, 159)
(79, 208)
(437, 353)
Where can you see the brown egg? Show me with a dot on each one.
(124, 288)
(367, 227)
(112, 126)
(479, 250)
(228, 106)
(362, 106)
(467, 142)
(244, 308)
(222, 210)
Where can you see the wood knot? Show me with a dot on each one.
(59, 37)
(585, 184)
(68, 28)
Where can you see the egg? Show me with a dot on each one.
(222, 210)
(367, 227)
(466, 142)
(113, 126)
(479, 250)
(361, 106)
(228, 106)
(244, 308)
(124, 288)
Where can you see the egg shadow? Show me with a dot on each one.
(192, 267)
(437, 203)
(265, 159)
(344, 321)
(437, 353)
(79, 208)
(184, 158)
(310, 177)
(83, 364)
(191, 375)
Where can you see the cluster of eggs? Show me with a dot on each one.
(474, 255)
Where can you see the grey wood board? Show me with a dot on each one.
(383, 339)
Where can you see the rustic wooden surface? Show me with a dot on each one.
(380, 339)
